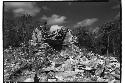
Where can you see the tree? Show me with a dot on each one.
(17, 30)
(8, 31)
(85, 38)
(109, 36)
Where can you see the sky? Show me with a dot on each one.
(69, 13)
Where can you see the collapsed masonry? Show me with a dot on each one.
(71, 61)
(55, 57)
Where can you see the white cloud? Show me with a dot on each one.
(86, 22)
(54, 19)
(20, 8)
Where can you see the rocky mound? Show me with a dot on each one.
(53, 56)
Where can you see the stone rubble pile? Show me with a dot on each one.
(70, 64)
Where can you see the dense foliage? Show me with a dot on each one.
(108, 37)
(18, 30)
(106, 40)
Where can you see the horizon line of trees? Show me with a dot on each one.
(107, 39)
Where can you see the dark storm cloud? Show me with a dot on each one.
(45, 8)
(116, 6)
(19, 8)
(69, 13)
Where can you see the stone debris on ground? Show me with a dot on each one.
(70, 64)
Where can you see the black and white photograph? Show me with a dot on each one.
(62, 41)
